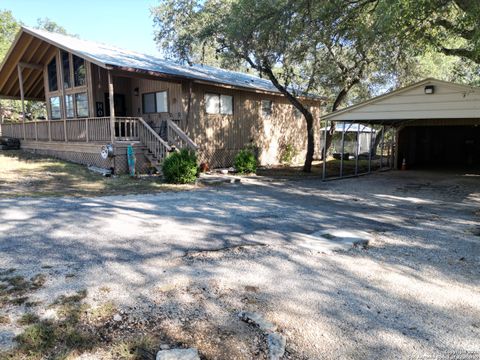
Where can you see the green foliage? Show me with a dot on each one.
(180, 167)
(50, 25)
(246, 162)
(288, 154)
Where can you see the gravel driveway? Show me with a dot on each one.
(194, 259)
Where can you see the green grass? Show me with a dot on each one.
(15, 289)
(27, 174)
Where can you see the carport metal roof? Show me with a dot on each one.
(448, 101)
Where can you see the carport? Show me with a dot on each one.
(434, 123)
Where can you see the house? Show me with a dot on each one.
(98, 94)
(437, 123)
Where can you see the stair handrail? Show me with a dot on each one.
(181, 134)
(158, 147)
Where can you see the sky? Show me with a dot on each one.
(123, 23)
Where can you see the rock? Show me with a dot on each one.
(117, 317)
(178, 354)
(164, 347)
(258, 320)
(276, 346)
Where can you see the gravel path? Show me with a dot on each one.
(195, 258)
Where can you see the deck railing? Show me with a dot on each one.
(74, 130)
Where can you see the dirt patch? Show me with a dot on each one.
(26, 174)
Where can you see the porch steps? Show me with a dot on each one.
(156, 163)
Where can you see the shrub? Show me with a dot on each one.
(287, 155)
(180, 167)
(246, 162)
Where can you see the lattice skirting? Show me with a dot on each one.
(218, 158)
(120, 163)
(75, 157)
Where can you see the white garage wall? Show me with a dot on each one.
(449, 101)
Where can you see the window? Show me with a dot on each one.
(78, 71)
(66, 70)
(297, 113)
(156, 102)
(218, 104)
(267, 106)
(81, 101)
(226, 104)
(69, 106)
(52, 75)
(55, 107)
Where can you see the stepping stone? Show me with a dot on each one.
(328, 241)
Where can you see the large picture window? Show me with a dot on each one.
(218, 104)
(156, 102)
(81, 100)
(67, 83)
(52, 75)
(55, 107)
(69, 106)
(79, 71)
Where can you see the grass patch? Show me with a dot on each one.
(332, 168)
(15, 289)
(135, 349)
(4, 320)
(26, 174)
(104, 311)
(28, 319)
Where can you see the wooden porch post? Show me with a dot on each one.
(112, 107)
(22, 98)
(63, 100)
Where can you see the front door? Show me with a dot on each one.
(119, 103)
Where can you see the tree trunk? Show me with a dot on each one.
(307, 166)
(378, 139)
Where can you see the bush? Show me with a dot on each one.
(246, 162)
(288, 154)
(180, 167)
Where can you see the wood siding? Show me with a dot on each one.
(224, 135)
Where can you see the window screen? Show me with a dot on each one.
(212, 103)
(81, 101)
(148, 103)
(162, 103)
(69, 106)
(267, 107)
(226, 104)
(218, 104)
(55, 107)
(52, 75)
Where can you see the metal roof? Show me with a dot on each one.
(108, 56)
(350, 127)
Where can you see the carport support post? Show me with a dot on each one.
(381, 147)
(356, 148)
(370, 150)
(22, 98)
(343, 149)
(324, 165)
